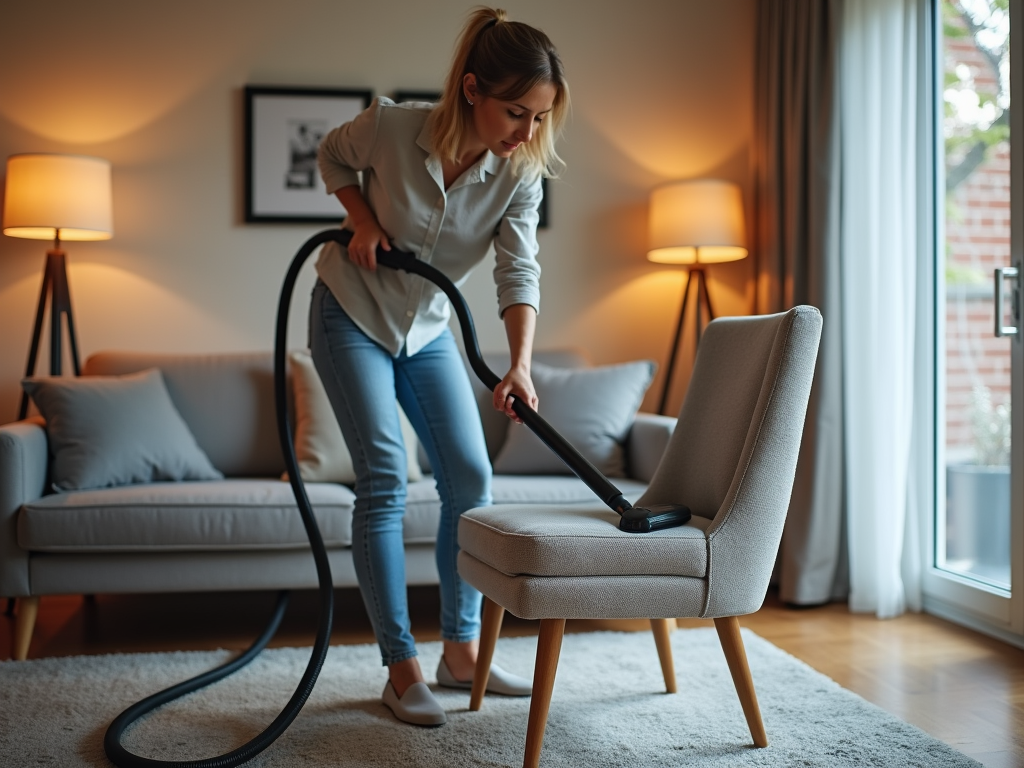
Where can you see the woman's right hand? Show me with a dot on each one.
(362, 249)
(366, 230)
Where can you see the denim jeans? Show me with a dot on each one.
(362, 381)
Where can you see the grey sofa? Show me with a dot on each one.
(239, 533)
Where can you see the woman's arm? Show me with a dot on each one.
(520, 325)
(366, 230)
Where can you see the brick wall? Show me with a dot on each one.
(977, 241)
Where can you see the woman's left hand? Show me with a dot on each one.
(516, 384)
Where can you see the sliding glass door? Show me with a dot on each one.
(976, 541)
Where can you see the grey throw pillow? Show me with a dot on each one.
(592, 408)
(106, 431)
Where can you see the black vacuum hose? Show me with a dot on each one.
(633, 518)
(112, 740)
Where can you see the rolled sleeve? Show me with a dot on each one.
(348, 149)
(516, 270)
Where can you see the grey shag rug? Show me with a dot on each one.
(609, 709)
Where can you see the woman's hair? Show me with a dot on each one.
(508, 58)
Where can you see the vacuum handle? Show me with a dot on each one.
(580, 466)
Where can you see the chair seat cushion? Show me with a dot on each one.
(423, 506)
(588, 597)
(579, 540)
(216, 515)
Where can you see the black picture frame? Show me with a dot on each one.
(433, 97)
(283, 128)
(542, 207)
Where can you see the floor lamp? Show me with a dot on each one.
(693, 223)
(56, 197)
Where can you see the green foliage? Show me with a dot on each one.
(990, 425)
(961, 274)
(975, 118)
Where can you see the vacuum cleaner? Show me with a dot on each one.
(633, 519)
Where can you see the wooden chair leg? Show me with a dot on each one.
(549, 645)
(662, 629)
(732, 643)
(24, 623)
(489, 629)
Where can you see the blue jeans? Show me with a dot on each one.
(362, 381)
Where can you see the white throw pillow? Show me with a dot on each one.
(320, 448)
(592, 408)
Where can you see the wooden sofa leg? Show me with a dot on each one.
(732, 643)
(489, 629)
(549, 646)
(662, 631)
(24, 623)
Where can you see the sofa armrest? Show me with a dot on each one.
(646, 443)
(23, 470)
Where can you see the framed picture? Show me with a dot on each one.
(283, 129)
(402, 96)
(542, 209)
(433, 96)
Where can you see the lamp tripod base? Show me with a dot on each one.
(700, 280)
(55, 288)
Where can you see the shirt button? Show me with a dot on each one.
(409, 313)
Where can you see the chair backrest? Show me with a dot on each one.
(732, 457)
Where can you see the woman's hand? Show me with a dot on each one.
(366, 230)
(516, 384)
(520, 321)
(362, 249)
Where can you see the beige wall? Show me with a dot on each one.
(662, 89)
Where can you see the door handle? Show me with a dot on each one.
(1001, 275)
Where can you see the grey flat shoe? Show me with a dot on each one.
(499, 681)
(417, 706)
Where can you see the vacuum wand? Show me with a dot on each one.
(633, 519)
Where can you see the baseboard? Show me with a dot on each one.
(957, 615)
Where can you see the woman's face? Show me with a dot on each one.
(501, 126)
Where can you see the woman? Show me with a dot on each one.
(446, 183)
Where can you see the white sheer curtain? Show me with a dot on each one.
(884, 258)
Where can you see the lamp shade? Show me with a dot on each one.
(697, 222)
(51, 196)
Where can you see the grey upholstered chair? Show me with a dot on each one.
(731, 460)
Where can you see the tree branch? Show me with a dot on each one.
(991, 58)
(975, 156)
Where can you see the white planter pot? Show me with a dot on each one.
(978, 518)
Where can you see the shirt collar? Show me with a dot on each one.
(489, 163)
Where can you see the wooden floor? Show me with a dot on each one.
(959, 686)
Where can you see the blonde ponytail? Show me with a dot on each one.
(509, 58)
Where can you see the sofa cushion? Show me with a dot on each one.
(226, 399)
(592, 408)
(116, 430)
(216, 515)
(422, 507)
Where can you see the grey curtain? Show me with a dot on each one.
(796, 247)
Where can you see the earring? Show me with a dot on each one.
(468, 101)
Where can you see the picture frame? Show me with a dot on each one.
(416, 95)
(401, 96)
(283, 129)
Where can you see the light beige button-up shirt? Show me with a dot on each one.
(453, 230)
